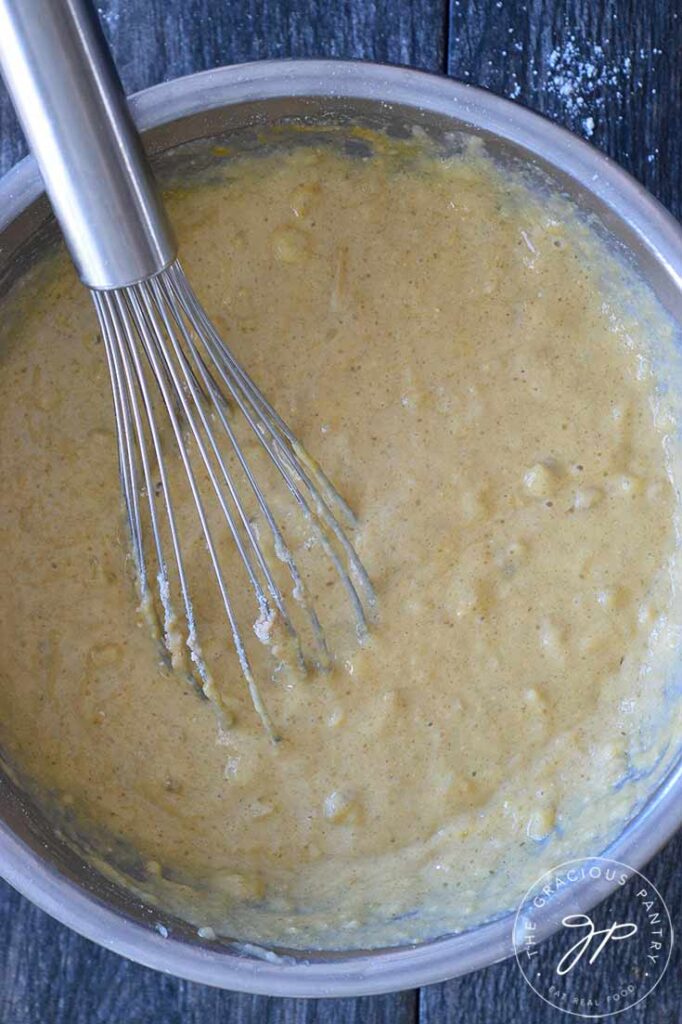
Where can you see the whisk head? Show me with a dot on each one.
(195, 432)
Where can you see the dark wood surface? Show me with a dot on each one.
(610, 70)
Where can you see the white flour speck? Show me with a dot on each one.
(580, 75)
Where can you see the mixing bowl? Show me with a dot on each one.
(34, 857)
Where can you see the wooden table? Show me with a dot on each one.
(610, 70)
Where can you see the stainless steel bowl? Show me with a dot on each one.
(33, 857)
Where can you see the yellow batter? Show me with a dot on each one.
(444, 345)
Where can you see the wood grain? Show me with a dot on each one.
(50, 975)
(155, 40)
(609, 69)
(499, 995)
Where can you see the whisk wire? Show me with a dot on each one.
(154, 348)
(159, 342)
(129, 368)
(281, 549)
(164, 354)
(125, 446)
(193, 388)
(282, 451)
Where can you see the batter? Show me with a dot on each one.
(445, 345)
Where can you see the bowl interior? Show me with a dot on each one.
(39, 860)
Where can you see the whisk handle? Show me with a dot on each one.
(69, 99)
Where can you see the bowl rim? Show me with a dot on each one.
(656, 229)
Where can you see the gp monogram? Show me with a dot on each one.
(599, 963)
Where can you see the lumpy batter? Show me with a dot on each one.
(441, 341)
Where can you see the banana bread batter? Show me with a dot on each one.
(445, 345)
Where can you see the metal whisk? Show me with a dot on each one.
(181, 399)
